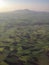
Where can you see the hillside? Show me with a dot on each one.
(24, 38)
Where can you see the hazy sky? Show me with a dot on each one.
(38, 5)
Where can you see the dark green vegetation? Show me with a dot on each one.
(24, 38)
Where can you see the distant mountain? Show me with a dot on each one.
(24, 11)
(26, 15)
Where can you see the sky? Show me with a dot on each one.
(37, 5)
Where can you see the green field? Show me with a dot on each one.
(24, 38)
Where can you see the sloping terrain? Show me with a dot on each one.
(24, 38)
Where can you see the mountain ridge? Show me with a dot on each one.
(25, 10)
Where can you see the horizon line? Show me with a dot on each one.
(24, 9)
